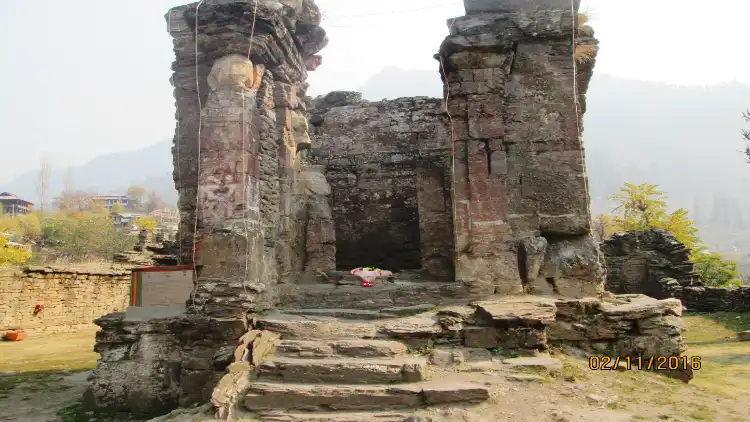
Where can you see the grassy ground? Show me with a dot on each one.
(726, 361)
(44, 373)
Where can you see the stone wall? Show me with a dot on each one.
(388, 164)
(655, 263)
(71, 299)
(522, 220)
(148, 368)
(637, 260)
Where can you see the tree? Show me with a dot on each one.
(42, 182)
(714, 270)
(154, 202)
(75, 201)
(644, 207)
(86, 235)
(602, 227)
(746, 135)
(136, 194)
(146, 223)
(118, 208)
(29, 229)
(11, 254)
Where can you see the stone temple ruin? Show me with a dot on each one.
(478, 202)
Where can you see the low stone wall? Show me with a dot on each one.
(71, 299)
(709, 299)
(655, 263)
(150, 367)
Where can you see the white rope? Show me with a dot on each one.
(246, 181)
(197, 184)
(453, 152)
(177, 143)
(579, 113)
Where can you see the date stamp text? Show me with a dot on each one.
(659, 363)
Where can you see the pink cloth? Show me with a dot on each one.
(370, 275)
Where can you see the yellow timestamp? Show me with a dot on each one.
(659, 363)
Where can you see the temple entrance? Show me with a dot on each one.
(376, 217)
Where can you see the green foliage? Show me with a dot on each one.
(10, 254)
(118, 208)
(88, 235)
(136, 194)
(22, 228)
(644, 207)
(713, 270)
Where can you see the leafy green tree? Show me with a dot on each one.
(713, 270)
(644, 207)
(82, 236)
(118, 208)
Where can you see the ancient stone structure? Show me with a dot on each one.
(477, 206)
(520, 197)
(637, 260)
(70, 299)
(247, 107)
(655, 263)
(388, 164)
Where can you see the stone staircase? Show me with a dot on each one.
(346, 361)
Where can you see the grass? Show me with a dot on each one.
(725, 361)
(49, 352)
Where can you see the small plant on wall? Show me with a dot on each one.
(585, 53)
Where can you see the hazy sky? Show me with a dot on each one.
(87, 77)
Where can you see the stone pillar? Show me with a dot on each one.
(522, 221)
(236, 181)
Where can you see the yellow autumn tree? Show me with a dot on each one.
(146, 223)
(11, 254)
(644, 207)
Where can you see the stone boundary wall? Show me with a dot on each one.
(698, 298)
(71, 299)
(655, 263)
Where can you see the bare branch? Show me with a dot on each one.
(42, 182)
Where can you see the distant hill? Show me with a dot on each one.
(150, 167)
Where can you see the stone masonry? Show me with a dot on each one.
(388, 163)
(251, 67)
(71, 299)
(655, 263)
(522, 220)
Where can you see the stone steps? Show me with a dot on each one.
(333, 417)
(347, 348)
(342, 397)
(359, 314)
(315, 328)
(344, 370)
(380, 296)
